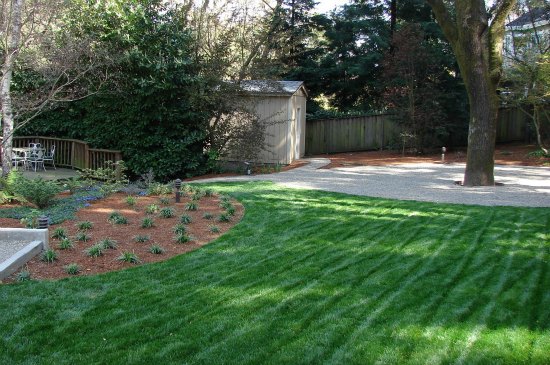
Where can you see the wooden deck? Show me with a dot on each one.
(50, 173)
(71, 153)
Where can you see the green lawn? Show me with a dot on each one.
(309, 277)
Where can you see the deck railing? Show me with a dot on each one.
(72, 153)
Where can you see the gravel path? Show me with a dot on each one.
(523, 186)
(8, 248)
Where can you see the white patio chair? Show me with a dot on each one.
(50, 156)
(18, 158)
(37, 159)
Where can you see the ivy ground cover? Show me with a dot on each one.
(309, 277)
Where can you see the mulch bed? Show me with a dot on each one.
(506, 154)
(161, 234)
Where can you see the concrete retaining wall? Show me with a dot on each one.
(38, 241)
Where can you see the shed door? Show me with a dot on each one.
(298, 134)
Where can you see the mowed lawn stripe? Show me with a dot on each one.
(304, 275)
(420, 267)
(328, 261)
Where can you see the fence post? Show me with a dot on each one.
(72, 154)
(118, 172)
(86, 156)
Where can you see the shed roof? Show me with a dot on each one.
(534, 16)
(272, 87)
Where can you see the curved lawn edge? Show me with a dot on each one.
(308, 277)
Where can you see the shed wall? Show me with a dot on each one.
(280, 112)
(274, 110)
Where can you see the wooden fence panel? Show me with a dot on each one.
(512, 125)
(349, 134)
(377, 131)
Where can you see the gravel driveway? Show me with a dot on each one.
(523, 186)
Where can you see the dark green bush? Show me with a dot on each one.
(36, 191)
(156, 109)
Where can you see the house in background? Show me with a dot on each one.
(282, 104)
(529, 30)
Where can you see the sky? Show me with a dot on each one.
(325, 6)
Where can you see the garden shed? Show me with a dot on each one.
(282, 104)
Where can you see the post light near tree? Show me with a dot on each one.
(443, 150)
(177, 185)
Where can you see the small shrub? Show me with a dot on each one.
(156, 249)
(214, 229)
(114, 215)
(156, 188)
(65, 244)
(49, 255)
(141, 238)
(164, 200)
(191, 206)
(117, 218)
(224, 217)
(31, 219)
(129, 257)
(537, 154)
(36, 191)
(72, 269)
(225, 204)
(131, 200)
(179, 229)
(23, 275)
(82, 236)
(182, 238)
(196, 196)
(186, 219)
(111, 174)
(147, 222)
(224, 198)
(94, 251)
(84, 226)
(108, 243)
(59, 233)
(208, 192)
(151, 209)
(230, 210)
(208, 215)
(166, 213)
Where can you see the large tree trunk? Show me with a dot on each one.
(477, 46)
(481, 140)
(5, 86)
(474, 67)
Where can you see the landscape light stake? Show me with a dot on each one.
(443, 150)
(43, 222)
(177, 185)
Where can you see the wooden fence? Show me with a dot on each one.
(513, 125)
(349, 134)
(72, 152)
(377, 131)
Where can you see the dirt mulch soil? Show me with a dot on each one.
(160, 234)
(258, 170)
(508, 154)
